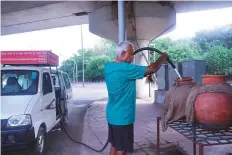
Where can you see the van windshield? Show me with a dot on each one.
(19, 82)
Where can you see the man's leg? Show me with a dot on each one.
(123, 138)
(111, 140)
(112, 150)
(121, 153)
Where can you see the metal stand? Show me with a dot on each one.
(158, 136)
(198, 135)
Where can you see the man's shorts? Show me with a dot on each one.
(121, 137)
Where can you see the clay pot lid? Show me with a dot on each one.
(184, 79)
(214, 76)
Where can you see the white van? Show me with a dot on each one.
(33, 100)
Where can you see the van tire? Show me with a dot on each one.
(40, 142)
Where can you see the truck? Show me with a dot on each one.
(34, 99)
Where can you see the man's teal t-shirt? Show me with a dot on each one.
(120, 80)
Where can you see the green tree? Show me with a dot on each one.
(95, 68)
(106, 50)
(162, 44)
(110, 47)
(213, 45)
(67, 66)
(177, 50)
(222, 35)
(218, 59)
(88, 55)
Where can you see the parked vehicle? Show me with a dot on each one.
(34, 99)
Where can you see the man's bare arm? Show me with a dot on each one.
(152, 68)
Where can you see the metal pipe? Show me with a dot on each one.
(201, 149)
(194, 139)
(83, 60)
(75, 65)
(153, 75)
(158, 136)
(121, 20)
(76, 74)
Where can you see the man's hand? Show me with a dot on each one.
(152, 68)
(165, 56)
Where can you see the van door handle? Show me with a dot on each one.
(51, 106)
(53, 101)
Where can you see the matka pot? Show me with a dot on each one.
(214, 108)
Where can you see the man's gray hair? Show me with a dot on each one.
(123, 46)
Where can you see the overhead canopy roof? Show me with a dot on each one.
(25, 16)
(13, 6)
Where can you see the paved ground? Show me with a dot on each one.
(172, 143)
(89, 125)
(94, 91)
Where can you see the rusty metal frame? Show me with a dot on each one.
(198, 135)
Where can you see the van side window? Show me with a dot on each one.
(47, 85)
(66, 81)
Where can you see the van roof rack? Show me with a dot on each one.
(29, 58)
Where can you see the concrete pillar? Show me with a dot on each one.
(121, 21)
(151, 20)
(142, 88)
(148, 18)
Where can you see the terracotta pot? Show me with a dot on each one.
(210, 79)
(184, 81)
(214, 109)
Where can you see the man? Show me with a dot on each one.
(120, 77)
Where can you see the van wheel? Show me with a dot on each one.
(40, 142)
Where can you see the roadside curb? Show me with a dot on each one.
(103, 100)
(138, 101)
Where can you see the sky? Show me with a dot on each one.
(67, 40)
(189, 23)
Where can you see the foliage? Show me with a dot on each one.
(177, 50)
(106, 50)
(215, 46)
(218, 59)
(67, 66)
(95, 68)
(110, 47)
(222, 35)
(162, 44)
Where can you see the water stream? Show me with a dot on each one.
(177, 72)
